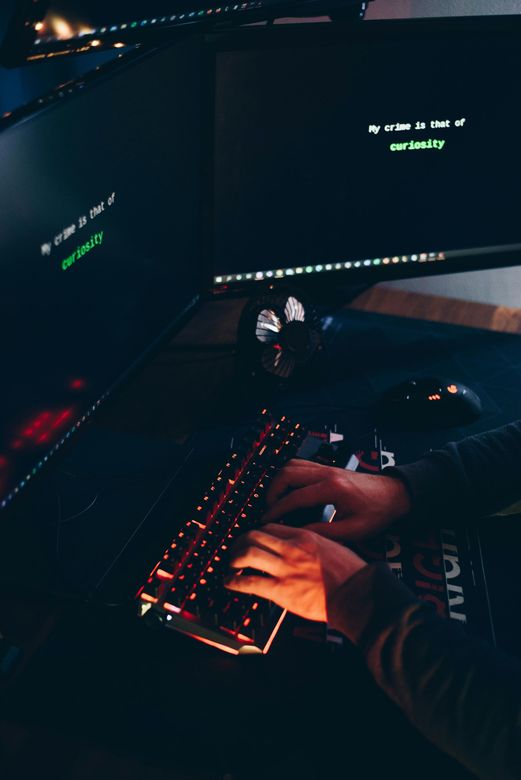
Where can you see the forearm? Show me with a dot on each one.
(457, 691)
(472, 478)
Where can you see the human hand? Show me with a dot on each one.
(303, 570)
(365, 504)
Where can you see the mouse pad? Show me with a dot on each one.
(365, 354)
(368, 353)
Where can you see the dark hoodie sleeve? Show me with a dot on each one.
(459, 692)
(468, 479)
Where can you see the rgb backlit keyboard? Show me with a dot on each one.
(185, 588)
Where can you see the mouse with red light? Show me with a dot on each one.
(425, 403)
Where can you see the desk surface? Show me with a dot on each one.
(206, 345)
(452, 311)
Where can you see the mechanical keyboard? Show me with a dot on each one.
(185, 590)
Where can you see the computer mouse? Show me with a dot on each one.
(424, 403)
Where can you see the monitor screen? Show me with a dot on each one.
(391, 149)
(99, 247)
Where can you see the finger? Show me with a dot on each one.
(255, 558)
(299, 462)
(246, 541)
(342, 530)
(296, 473)
(264, 587)
(267, 539)
(302, 498)
(282, 531)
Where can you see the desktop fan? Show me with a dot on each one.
(278, 334)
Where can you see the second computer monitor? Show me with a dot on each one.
(99, 246)
(365, 152)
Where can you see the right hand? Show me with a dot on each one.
(301, 570)
(365, 505)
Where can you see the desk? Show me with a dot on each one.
(29, 744)
(208, 341)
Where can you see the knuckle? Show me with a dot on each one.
(231, 582)
(307, 540)
(252, 538)
(274, 486)
(337, 479)
(247, 583)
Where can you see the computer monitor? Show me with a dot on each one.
(354, 154)
(99, 247)
(60, 27)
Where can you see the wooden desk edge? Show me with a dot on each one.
(453, 311)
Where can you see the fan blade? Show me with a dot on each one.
(294, 310)
(268, 360)
(268, 326)
(278, 362)
(285, 365)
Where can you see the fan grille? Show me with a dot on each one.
(278, 334)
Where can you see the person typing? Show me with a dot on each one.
(458, 691)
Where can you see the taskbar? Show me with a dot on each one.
(320, 268)
(502, 255)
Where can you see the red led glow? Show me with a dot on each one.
(3, 462)
(165, 575)
(369, 466)
(245, 639)
(171, 607)
(210, 642)
(42, 428)
(148, 598)
(77, 384)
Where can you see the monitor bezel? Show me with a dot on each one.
(324, 33)
(20, 46)
(69, 437)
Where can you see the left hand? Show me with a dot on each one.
(304, 569)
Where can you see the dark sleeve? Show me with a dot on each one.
(459, 692)
(468, 479)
